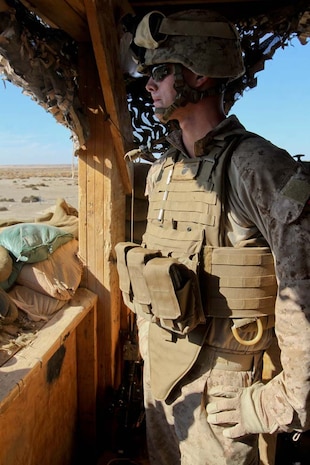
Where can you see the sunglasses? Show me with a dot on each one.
(159, 72)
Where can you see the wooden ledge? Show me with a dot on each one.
(17, 372)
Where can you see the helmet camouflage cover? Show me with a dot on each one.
(201, 40)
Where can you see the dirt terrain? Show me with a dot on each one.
(29, 191)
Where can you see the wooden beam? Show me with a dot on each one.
(87, 379)
(189, 3)
(103, 31)
(102, 222)
(67, 15)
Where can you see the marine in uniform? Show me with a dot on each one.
(224, 265)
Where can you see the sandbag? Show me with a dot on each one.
(6, 264)
(37, 306)
(31, 242)
(58, 276)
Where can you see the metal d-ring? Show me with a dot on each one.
(253, 341)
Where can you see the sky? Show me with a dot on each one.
(278, 109)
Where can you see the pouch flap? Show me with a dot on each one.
(180, 353)
(163, 277)
(121, 250)
(137, 258)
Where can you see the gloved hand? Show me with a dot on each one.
(240, 409)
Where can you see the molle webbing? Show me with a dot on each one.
(186, 204)
(238, 283)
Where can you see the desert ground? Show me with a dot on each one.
(30, 191)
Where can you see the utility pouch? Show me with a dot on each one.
(137, 258)
(239, 283)
(121, 249)
(174, 294)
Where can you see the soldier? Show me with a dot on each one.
(223, 265)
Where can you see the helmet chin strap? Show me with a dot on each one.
(185, 94)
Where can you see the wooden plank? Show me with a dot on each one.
(67, 15)
(82, 209)
(46, 380)
(22, 367)
(91, 98)
(105, 42)
(150, 5)
(38, 426)
(87, 379)
(102, 220)
(114, 227)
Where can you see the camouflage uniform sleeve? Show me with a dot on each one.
(273, 194)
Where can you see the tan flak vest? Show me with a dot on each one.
(182, 275)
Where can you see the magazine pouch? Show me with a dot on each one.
(174, 295)
(137, 259)
(122, 249)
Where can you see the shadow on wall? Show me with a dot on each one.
(137, 204)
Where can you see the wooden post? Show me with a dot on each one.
(102, 221)
(105, 41)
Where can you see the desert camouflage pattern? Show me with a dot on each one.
(178, 430)
(209, 56)
(267, 200)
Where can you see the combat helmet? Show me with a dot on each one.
(202, 40)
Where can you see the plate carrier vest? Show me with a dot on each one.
(182, 274)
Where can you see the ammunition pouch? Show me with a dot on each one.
(175, 295)
(160, 289)
(121, 250)
(131, 260)
(137, 259)
(240, 284)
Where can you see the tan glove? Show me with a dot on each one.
(239, 410)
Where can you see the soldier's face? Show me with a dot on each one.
(161, 87)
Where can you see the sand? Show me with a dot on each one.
(30, 191)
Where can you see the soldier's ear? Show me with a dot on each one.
(201, 81)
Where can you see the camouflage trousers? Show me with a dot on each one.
(177, 429)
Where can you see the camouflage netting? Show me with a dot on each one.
(42, 61)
